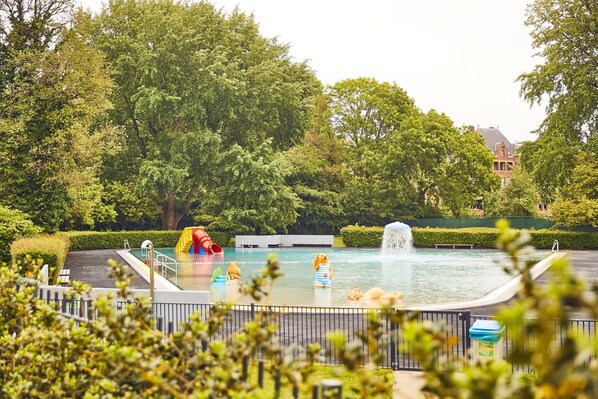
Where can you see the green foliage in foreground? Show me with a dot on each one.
(119, 354)
(359, 236)
(50, 249)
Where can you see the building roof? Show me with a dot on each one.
(493, 137)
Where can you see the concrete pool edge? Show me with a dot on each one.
(499, 295)
(160, 283)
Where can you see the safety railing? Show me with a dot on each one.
(555, 246)
(300, 326)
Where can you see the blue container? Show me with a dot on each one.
(487, 340)
(486, 330)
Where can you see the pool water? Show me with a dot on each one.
(423, 276)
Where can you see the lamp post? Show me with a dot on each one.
(150, 245)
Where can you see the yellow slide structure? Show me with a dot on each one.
(185, 241)
(197, 239)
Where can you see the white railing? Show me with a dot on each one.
(163, 264)
(127, 246)
(555, 246)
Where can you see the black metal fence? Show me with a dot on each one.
(300, 326)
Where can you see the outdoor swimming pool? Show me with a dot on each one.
(423, 276)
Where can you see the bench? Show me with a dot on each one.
(454, 246)
(64, 276)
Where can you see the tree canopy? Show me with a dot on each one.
(54, 90)
(565, 35)
(192, 83)
(577, 203)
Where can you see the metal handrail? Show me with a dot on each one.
(163, 264)
(127, 246)
(555, 244)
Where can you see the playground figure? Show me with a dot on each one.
(375, 294)
(233, 273)
(323, 271)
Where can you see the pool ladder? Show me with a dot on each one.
(555, 246)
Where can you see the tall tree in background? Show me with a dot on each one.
(518, 198)
(251, 195)
(363, 115)
(192, 83)
(577, 203)
(565, 34)
(442, 168)
(54, 89)
(365, 111)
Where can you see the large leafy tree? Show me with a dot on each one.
(251, 196)
(577, 203)
(364, 111)
(441, 168)
(54, 90)
(364, 114)
(316, 173)
(548, 159)
(518, 198)
(565, 33)
(193, 82)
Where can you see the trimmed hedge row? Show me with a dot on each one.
(52, 249)
(89, 240)
(81, 241)
(357, 236)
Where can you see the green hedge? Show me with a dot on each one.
(115, 239)
(356, 236)
(51, 249)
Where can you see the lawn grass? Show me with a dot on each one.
(322, 372)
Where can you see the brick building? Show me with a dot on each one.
(504, 152)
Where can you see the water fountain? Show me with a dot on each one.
(397, 239)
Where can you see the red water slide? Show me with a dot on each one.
(202, 240)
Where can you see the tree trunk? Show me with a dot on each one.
(170, 217)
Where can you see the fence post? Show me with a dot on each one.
(260, 374)
(245, 367)
(393, 345)
(466, 325)
(277, 383)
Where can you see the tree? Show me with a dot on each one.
(51, 102)
(192, 83)
(251, 195)
(364, 111)
(577, 203)
(518, 198)
(14, 224)
(316, 174)
(548, 160)
(441, 168)
(565, 33)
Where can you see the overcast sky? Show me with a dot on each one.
(460, 57)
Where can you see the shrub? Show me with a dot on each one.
(359, 236)
(51, 249)
(356, 236)
(89, 240)
(14, 224)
